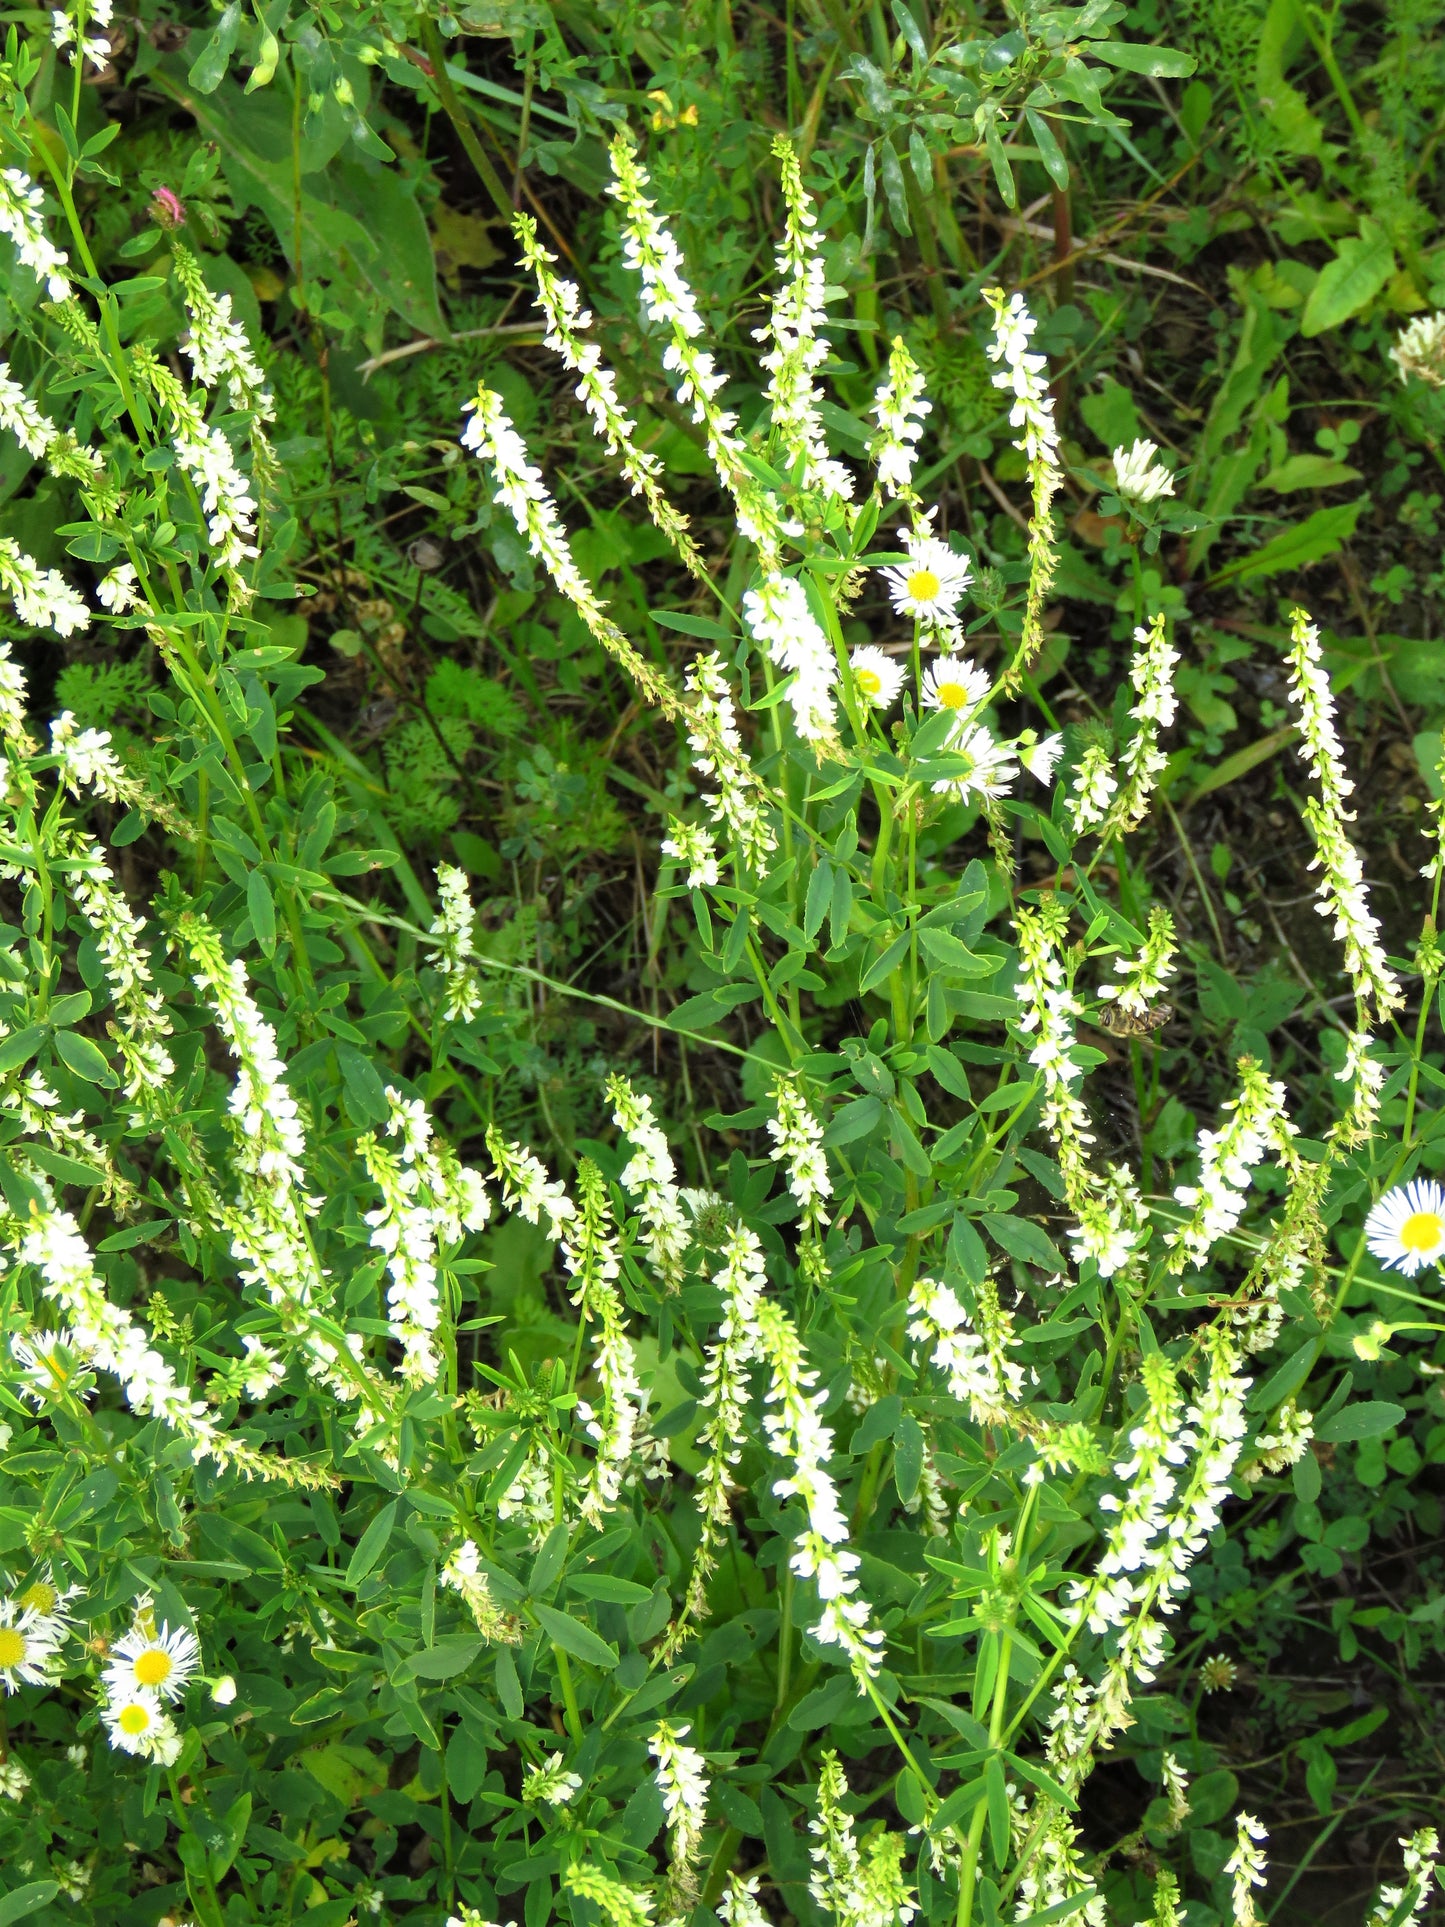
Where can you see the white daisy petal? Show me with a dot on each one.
(876, 677)
(929, 585)
(158, 1663)
(1406, 1229)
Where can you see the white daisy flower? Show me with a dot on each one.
(991, 772)
(29, 1642)
(929, 584)
(876, 677)
(43, 1596)
(159, 1663)
(137, 1723)
(956, 684)
(1406, 1229)
(1138, 477)
(1039, 756)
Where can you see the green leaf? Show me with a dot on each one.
(575, 1638)
(883, 966)
(949, 953)
(1160, 63)
(601, 1585)
(1021, 1238)
(372, 1543)
(232, 1829)
(1050, 153)
(1351, 281)
(262, 911)
(21, 1901)
(1319, 535)
(1308, 471)
(20, 1048)
(448, 1657)
(907, 1458)
(209, 67)
(1367, 1420)
(78, 1054)
(692, 626)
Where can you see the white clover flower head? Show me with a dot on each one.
(694, 847)
(1420, 349)
(1406, 1229)
(13, 1779)
(223, 1690)
(155, 1661)
(877, 677)
(1137, 476)
(929, 585)
(954, 683)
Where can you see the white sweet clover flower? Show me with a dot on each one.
(1111, 1226)
(1249, 1867)
(798, 1146)
(42, 597)
(796, 350)
(22, 220)
(1176, 1789)
(650, 251)
(73, 1878)
(979, 1374)
(797, 1435)
(463, 1575)
(1341, 888)
(454, 954)
(929, 585)
(550, 1784)
(206, 457)
(1140, 979)
(1149, 1474)
(218, 347)
(14, 1780)
(468, 1917)
(34, 430)
(13, 694)
(1055, 1875)
(877, 677)
(142, 1022)
(682, 1781)
(526, 1188)
(1138, 477)
(1142, 763)
(589, 1253)
(780, 619)
(739, 1906)
(1095, 784)
(739, 802)
(424, 1197)
(1421, 1850)
(268, 1222)
(651, 1177)
(1420, 349)
(1285, 1443)
(899, 409)
(1255, 1119)
(117, 591)
(1023, 374)
(109, 1338)
(859, 1888)
(567, 320)
(694, 847)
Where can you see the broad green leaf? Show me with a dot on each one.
(442, 1661)
(1319, 535)
(575, 1638)
(29, 1899)
(80, 1055)
(372, 1544)
(1368, 1420)
(1160, 63)
(1351, 281)
(1308, 471)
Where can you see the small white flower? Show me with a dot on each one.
(118, 591)
(550, 1784)
(989, 771)
(1039, 756)
(928, 586)
(138, 1724)
(13, 1779)
(876, 676)
(223, 1690)
(158, 1662)
(1138, 477)
(693, 845)
(955, 684)
(29, 1641)
(1420, 349)
(1406, 1229)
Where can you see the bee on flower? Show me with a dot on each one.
(929, 585)
(876, 677)
(1406, 1229)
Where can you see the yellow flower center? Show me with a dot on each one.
(953, 695)
(154, 1667)
(12, 1647)
(923, 585)
(134, 1720)
(1422, 1231)
(42, 1597)
(868, 680)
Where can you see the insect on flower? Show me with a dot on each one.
(1133, 1023)
(1406, 1229)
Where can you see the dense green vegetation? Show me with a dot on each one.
(721, 1161)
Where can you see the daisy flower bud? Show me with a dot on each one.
(223, 1690)
(1138, 477)
(876, 677)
